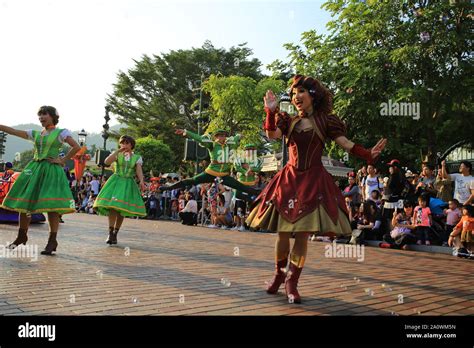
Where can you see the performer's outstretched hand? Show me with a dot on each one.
(179, 131)
(378, 148)
(270, 100)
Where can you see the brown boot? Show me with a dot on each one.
(278, 278)
(291, 283)
(22, 238)
(111, 235)
(114, 236)
(52, 244)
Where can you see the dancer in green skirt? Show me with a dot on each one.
(120, 195)
(42, 187)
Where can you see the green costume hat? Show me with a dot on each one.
(220, 131)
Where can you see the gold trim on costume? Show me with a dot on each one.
(292, 126)
(297, 260)
(311, 120)
(111, 207)
(249, 183)
(38, 211)
(214, 173)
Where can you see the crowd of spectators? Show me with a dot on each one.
(432, 207)
(404, 207)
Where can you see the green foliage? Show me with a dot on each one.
(376, 52)
(157, 156)
(25, 158)
(236, 104)
(159, 93)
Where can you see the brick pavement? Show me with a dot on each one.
(165, 268)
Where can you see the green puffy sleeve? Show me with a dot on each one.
(204, 140)
(234, 141)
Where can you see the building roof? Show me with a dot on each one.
(272, 163)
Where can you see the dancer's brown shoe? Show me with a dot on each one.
(111, 235)
(22, 238)
(114, 236)
(51, 246)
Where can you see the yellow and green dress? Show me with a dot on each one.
(121, 192)
(42, 187)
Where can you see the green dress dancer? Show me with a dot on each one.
(121, 192)
(220, 165)
(42, 186)
(120, 196)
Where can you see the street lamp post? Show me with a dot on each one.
(199, 113)
(105, 134)
(3, 140)
(199, 123)
(81, 137)
(285, 106)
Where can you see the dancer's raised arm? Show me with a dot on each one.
(12, 131)
(270, 125)
(204, 140)
(370, 155)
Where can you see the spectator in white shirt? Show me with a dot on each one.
(463, 182)
(95, 185)
(189, 214)
(227, 192)
(371, 182)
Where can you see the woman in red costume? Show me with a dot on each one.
(303, 198)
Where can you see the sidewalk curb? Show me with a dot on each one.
(434, 249)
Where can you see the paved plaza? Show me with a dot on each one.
(165, 268)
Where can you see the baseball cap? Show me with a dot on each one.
(394, 163)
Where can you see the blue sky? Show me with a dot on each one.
(66, 53)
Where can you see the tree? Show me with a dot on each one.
(159, 93)
(237, 104)
(92, 149)
(157, 156)
(25, 158)
(399, 51)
